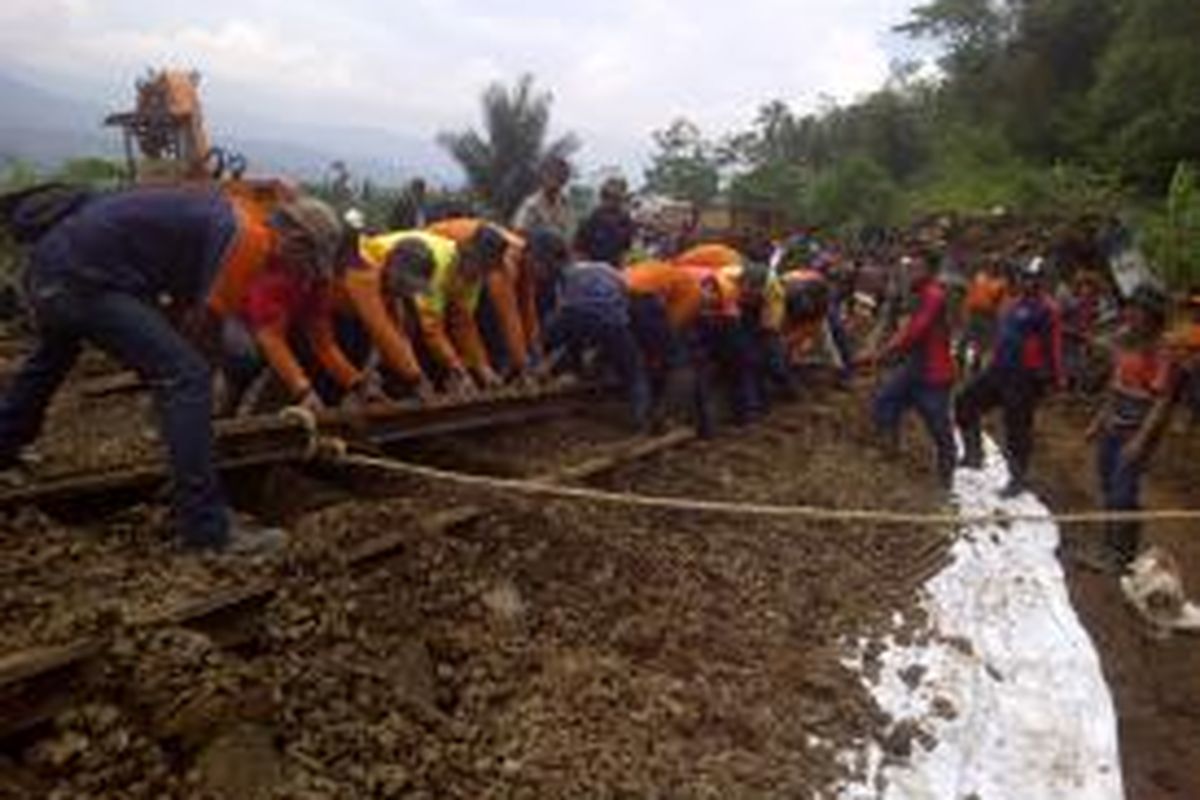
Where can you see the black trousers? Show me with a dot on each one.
(1017, 393)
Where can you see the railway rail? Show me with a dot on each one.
(278, 439)
(38, 683)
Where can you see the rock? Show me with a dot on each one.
(240, 763)
(503, 601)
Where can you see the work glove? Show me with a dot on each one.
(369, 389)
(424, 392)
(310, 401)
(527, 379)
(488, 379)
(459, 385)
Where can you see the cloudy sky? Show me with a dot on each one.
(618, 68)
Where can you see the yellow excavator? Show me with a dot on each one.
(166, 142)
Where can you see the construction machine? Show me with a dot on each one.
(167, 143)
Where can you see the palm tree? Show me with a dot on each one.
(502, 163)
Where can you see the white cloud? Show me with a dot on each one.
(621, 67)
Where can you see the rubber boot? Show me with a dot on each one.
(1123, 540)
(946, 478)
(1014, 488)
(972, 457)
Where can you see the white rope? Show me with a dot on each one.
(720, 507)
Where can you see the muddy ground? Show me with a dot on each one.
(1156, 684)
(545, 649)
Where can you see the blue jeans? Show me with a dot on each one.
(841, 341)
(769, 367)
(648, 320)
(242, 360)
(906, 389)
(730, 350)
(1120, 486)
(574, 330)
(139, 336)
(676, 364)
(1191, 392)
(1017, 392)
(492, 332)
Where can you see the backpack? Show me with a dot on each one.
(29, 214)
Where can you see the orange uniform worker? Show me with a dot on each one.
(258, 292)
(713, 256)
(678, 290)
(981, 310)
(762, 305)
(666, 303)
(759, 293)
(724, 344)
(723, 265)
(446, 311)
(99, 269)
(1128, 427)
(393, 267)
(1184, 338)
(511, 287)
(1184, 345)
(987, 292)
(807, 297)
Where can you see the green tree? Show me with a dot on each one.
(686, 166)
(1171, 237)
(101, 173)
(501, 163)
(1145, 104)
(774, 186)
(892, 129)
(974, 33)
(855, 192)
(18, 174)
(1049, 67)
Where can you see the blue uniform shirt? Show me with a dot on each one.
(147, 242)
(597, 289)
(1024, 340)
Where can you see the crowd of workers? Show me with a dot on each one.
(206, 292)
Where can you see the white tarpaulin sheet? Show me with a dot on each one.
(1023, 712)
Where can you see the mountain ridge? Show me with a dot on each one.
(47, 128)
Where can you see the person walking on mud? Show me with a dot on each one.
(924, 373)
(1027, 359)
(981, 309)
(1131, 422)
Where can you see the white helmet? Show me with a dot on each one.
(355, 219)
(1036, 268)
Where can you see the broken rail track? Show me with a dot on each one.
(278, 439)
(37, 684)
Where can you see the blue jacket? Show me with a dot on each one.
(146, 241)
(597, 289)
(607, 235)
(1029, 337)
